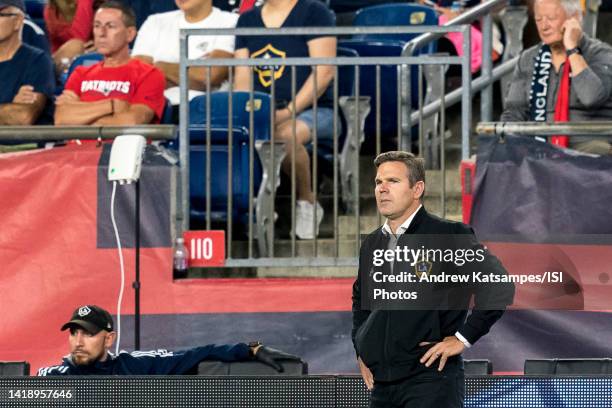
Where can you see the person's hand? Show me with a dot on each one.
(282, 115)
(272, 357)
(67, 97)
(25, 95)
(450, 346)
(119, 105)
(368, 378)
(572, 33)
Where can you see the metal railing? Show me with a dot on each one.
(595, 129)
(53, 133)
(481, 12)
(352, 109)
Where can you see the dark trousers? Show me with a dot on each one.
(425, 391)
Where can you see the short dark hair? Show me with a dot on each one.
(414, 165)
(127, 13)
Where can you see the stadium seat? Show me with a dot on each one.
(14, 368)
(290, 367)
(388, 83)
(219, 113)
(34, 35)
(82, 60)
(394, 15)
(167, 115)
(35, 9)
(219, 167)
(571, 366)
(219, 120)
(477, 367)
(388, 45)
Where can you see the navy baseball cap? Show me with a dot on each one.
(91, 318)
(15, 3)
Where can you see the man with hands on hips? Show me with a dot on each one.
(409, 352)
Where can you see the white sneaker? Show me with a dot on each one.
(304, 215)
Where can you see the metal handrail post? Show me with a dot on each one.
(183, 208)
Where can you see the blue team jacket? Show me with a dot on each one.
(156, 362)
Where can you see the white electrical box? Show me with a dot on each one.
(126, 158)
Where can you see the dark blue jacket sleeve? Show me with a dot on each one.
(166, 362)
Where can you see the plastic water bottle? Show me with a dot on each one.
(180, 260)
(457, 6)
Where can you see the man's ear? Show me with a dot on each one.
(132, 33)
(109, 340)
(419, 190)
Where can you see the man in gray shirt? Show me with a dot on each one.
(535, 88)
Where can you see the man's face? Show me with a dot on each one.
(550, 17)
(111, 36)
(191, 5)
(87, 348)
(11, 21)
(394, 196)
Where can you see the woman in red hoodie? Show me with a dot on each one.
(69, 24)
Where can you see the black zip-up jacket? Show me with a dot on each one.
(388, 340)
(156, 362)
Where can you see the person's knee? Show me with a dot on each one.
(288, 133)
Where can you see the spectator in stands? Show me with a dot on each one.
(92, 335)
(27, 73)
(450, 9)
(567, 77)
(69, 24)
(411, 356)
(118, 90)
(158, 43)
(284, 14)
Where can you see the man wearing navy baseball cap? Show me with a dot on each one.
(28, 80)
(13, 3)
(92, 335)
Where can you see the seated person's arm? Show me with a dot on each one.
(127, 114)
(25, 108)
(197, 76)
(242, 74)
(70, 110)
(70, 50)
(591, 80)
(322, 47)
(80, 33)
(517, 96)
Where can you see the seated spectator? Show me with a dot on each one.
(27, 73)
(158, 43)
(450, 9)
(293, 13)
(92, 335)
(119, 90)
(567, 77)
(69, 24)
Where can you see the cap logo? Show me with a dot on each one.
(84, 311)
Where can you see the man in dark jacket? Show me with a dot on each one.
(399, 343)
(92, 335)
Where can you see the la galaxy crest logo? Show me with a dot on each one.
(422, 267)
(84, 311)
(265, 71)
